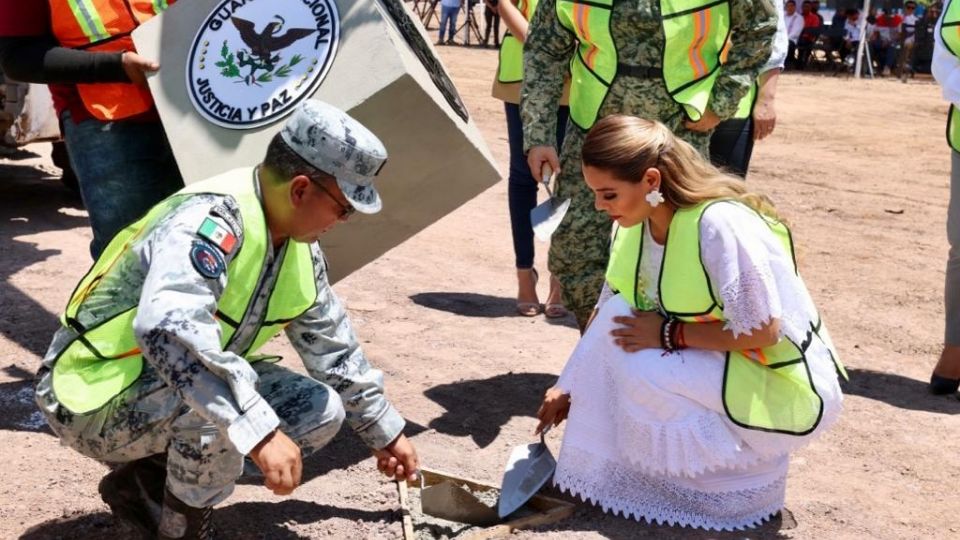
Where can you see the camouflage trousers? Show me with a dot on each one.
(202, 464)
(581, 245)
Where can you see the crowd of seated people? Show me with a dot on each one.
(899, 42)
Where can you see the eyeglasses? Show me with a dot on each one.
(345, 209)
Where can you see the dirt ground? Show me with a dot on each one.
(861, 170)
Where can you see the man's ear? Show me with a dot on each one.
(299, 186)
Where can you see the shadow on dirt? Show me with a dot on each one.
(480, 408)
(31, 199)
(478, 305)
(899, 391)
(237, 521)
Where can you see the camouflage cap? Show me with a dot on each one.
(333, 142)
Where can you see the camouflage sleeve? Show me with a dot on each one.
(325, 340)
(176, 329)
(546, 59)
(753, 27)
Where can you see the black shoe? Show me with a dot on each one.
(134, 493)
(183, 522)
(941, 385)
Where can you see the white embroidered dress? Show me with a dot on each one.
(647, 434)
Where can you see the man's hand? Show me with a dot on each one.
(540, 156)
(708, 121)
(641, 331)
(136, 67)
(278, 457)
(553, 410)
(398, 459)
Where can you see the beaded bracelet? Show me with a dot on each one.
(671, 335)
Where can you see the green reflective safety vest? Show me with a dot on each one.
(695, 32)
(510, 69)
(104, 359)
(950, 33)
(745, 108)
(767, 389)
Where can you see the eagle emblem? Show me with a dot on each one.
(261, 54)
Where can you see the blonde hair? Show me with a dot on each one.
(626, 146)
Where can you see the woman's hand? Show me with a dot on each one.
(764, 118)
(708, 121)
(639, 331)
(538, 156)
(553, 410)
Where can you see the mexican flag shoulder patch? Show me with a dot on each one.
(219, 235)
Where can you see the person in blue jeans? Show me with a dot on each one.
(449, 9)
(521, 185)
(124, 166)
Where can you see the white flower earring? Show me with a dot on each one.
(655, 198)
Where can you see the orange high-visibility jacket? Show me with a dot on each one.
(105, 25)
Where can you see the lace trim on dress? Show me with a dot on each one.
(748, 303)
(703, 443)
(620, 490)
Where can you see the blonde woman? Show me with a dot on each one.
(706, 362)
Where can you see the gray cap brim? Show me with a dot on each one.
(364, 199)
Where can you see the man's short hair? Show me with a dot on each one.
(286, 164)
(790, 2)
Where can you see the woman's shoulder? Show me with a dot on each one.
(727, 212)
(732, 222)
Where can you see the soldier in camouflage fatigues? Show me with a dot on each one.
(579, 247)
(202, 407)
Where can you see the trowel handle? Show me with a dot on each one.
(547, 174)
(544, 433)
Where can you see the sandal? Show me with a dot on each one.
(554, 310)
(530, 309)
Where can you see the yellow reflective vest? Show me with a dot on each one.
(767, 389)
(950, 33)
(695, 33)
(510, 68)
(104, 358)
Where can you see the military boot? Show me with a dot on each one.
(182, 522)
(134, 493)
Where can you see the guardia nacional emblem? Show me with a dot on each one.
(253, 60)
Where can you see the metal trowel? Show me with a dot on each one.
(449, 501)
(546, 217)
(529, 467)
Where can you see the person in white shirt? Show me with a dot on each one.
(794, 24)
(908, 34)
(851, 33)
(945, 67)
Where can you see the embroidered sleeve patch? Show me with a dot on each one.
(221, 236)
(207, 260)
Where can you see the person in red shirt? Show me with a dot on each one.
(884, 45)
(809, 34)
(123, 167)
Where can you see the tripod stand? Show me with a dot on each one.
(470, 23)
(426, 10)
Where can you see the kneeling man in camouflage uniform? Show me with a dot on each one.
(155, 364)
